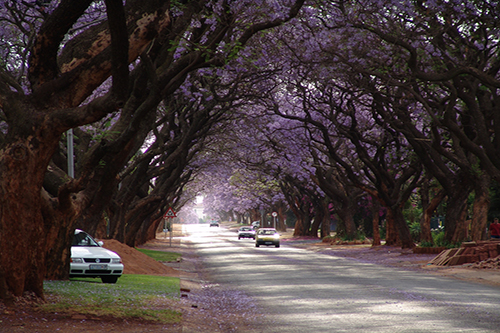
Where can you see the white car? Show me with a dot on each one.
(267, 236)
(90, 259)
(246, 232)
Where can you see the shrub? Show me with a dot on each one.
(415, 231)
(439, 240)
(358, 235)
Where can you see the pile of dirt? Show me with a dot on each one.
(136, 262)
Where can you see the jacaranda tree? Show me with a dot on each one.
(147, 48)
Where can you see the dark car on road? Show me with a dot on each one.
(246, 232)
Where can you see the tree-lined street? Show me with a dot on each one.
(302, 291)
(372, 119)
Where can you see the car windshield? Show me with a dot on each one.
(83, 239)
(267, 232)
(245, 229)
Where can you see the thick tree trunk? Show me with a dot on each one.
(402, 228)
(23, 227)
(454, 231)
(302, 224)
(325, 228)
(151, 233)
(255, 215)
(281, 217)
(462, 227)
(59, 249)
(319, 215)
(346, 215)
(480, 209)
(141, 237)
(391, 233)
(375, 209)
(425, 229)
(428, 211)
(91, 220)
(315, 224)
(137, 223)
(117, 224)
(325, 224)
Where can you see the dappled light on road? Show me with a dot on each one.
(305, 291)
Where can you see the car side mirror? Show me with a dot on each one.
(101, 243)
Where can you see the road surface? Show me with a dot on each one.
(302, 291)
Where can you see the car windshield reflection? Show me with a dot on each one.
(83, 239)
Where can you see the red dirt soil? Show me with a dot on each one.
(136, 262)
(207, 307)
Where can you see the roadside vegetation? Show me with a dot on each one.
(266, 109)
(134, 296)
(161, 256)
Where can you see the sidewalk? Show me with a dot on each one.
(207, 306)
(189, 266)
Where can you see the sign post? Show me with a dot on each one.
(274, 214)
(170, 214)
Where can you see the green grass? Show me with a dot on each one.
(161, 255)
(145, 297)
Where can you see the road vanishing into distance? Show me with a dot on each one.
(302, 291)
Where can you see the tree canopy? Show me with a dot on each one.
(322, 108)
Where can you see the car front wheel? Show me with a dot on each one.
(257, 244)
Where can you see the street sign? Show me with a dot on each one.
(170, 213)
(275, 214)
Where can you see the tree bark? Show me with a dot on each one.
(281, 217)
(402, 228)
(346, 215)
(454, 231)
(425, 229)
(40, 228)
(480, 209)
(375, 209)
(255, 215)
(391, 233)
(319, 217)
(343, 196)
(31, 221)
(325, 224)
(428, 211)
(22, 224)
(300, 228)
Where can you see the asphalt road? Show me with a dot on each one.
(302, 291)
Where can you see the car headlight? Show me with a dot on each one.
(116, 260)
(77, 260)
(276, 236)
